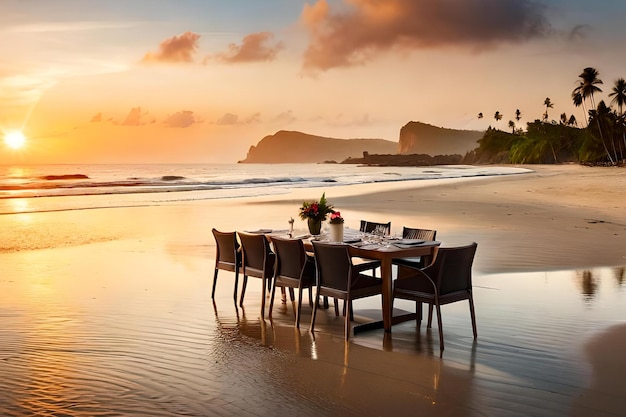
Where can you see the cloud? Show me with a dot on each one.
(228, 119)
(136, 117)
(579, 32)
(254, 118)
(233, 119)
(183, 118)
(254, 48)
(175, 49)
(285, 118)
(366, 28)
(97, 118)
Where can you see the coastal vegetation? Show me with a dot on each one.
(601, 141)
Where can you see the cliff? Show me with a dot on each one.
(422, 138)
(297, 147)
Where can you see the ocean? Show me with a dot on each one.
(68, 187)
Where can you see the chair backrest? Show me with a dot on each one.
(256, 252)
(369, 227)
(227, 247)
(452, 268)
(290, 257)
(333, 265)
(424, 234)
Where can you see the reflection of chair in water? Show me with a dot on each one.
(336, 277)
(447, 280)
(293, 269)
(257, 261)
(418, 261)
(228, 257)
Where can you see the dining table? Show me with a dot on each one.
(386, 253)
(384, 249)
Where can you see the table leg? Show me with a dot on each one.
(387, 278)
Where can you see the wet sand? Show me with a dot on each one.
(108, 312)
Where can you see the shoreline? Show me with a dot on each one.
(555, 218)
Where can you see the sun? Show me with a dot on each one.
(14, 139)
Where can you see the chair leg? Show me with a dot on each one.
(311, 297)
(418, 313)
(214, 284)
(473, 315)
(299, 308)
(314, 313)
(430, 316)
(336, 307)
(236, 285)
(243, 289)
(439, 324)
(291, 294)
(263, 295)
(273, 293)
(348, 305)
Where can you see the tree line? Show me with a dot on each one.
(602, 139)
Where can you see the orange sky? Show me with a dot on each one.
(159, 81)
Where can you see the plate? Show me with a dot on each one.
(410, 241)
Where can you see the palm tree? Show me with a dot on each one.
(587, 87)
(518, 115)
(548, 105)
(512, 126)
(480, 115)
(563, 118)
(619, 94)
(577, 98)
(572, 121)
(497, 116)
(619, 97)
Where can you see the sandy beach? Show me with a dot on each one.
(108, 311)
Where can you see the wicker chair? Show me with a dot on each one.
(293, 268)
(447, 280)
(227, 258)
(336, 277)
(257, 261)
(418, 261)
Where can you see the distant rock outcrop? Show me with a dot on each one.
(297, 147)
(422, 138)
(410, 160)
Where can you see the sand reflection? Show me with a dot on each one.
(606, 392)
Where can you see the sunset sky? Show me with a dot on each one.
(154, 81)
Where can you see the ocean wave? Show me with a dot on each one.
(210, 182)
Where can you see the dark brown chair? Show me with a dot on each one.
(418, 261)
(447, 280)
(227, 258)
(257, 261)
(337, 278)
(370, 227)
(294, 268)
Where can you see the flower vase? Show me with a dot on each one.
(336, 232)
(315, 226)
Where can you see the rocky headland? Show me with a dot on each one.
(418, 144)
